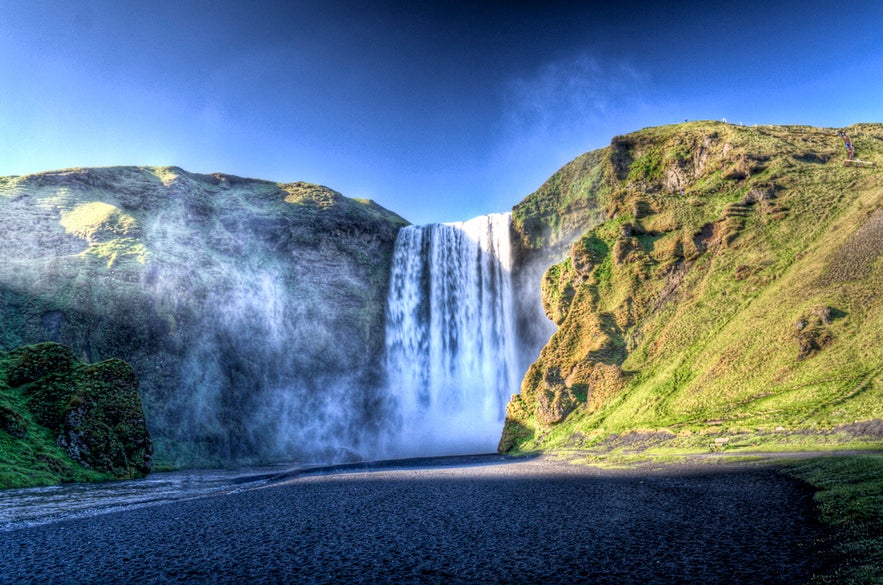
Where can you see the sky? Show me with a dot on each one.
(439, 111)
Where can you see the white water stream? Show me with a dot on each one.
(450, 337)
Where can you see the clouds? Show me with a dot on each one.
(436, 109)
(557, 111)
(565, 95)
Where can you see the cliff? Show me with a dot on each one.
(63, 420)
(251, 311)
(719, 282)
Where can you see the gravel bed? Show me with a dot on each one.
(498, 521)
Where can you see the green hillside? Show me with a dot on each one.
(732, 297)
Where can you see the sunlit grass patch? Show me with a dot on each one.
(849, 497)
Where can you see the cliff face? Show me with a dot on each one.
(702, 276)
(251, 312)
(63, 420)
(734, 283)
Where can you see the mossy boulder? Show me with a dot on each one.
(31, 363)
(91, 413)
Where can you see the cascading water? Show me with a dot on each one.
(450, 336)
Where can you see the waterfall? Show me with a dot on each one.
(450, 337)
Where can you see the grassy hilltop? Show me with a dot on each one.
(728, 295)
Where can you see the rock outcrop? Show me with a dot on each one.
(252, 312)
(92, 412)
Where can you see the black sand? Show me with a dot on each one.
(531, 521)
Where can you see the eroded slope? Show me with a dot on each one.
(734, 286)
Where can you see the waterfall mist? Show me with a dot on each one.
(277, 346)
(266, 322)
(451, 351)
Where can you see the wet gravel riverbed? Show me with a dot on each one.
(486, 521)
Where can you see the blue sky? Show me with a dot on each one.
(439, 111)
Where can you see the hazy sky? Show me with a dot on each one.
(439, 111)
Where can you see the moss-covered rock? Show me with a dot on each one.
(61, 417)
(12, 422)
(31, 363)
(103, 426)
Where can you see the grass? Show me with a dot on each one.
(35, 459)
(39, 461)
(745, 234)
(849, 498)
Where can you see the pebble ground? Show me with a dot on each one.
(533, 521)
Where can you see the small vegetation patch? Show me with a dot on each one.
(849, 497)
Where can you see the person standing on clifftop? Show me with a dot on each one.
(850, 151)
